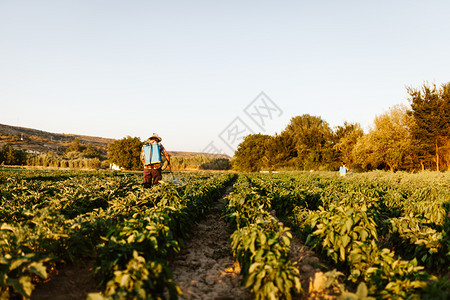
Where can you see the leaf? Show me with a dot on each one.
(125, 280)
(253, 267)
(250, 280)
(95, 296)
(22, 285)
(262, 238)
(38, 269)
(17, 263)
(279, 282)
(362, 291)
(364, 234)
(349, 296)
(6, 226)
(27, 286)
(349, 224)
(418, 284)
(345, 240)
(342, 252)
(331, 236)
(308, 238)
(252, 242)
(258, 254)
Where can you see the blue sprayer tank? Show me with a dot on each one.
(152, 154)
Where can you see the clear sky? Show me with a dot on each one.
(187, 69)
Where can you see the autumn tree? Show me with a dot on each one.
(430, 108)
(126, 153)
(388, 143)
(362, 154)
(346, 138)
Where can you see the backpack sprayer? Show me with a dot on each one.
(152, 155)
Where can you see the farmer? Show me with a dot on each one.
(343, 170)
(151, 158)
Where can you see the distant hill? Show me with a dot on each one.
(38, 141)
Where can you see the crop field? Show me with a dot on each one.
(374, 235)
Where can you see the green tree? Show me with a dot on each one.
(91, 152)
(280, 150)
(388, 143)
(126, 153)
(430, 108)
(313, 140)
(2, 157)
(11, 156)
(216, 164)
(250, 155)
(75, 146)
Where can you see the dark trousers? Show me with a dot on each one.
(151, 177)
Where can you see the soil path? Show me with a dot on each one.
(312, 278)
(205, 268)
(72, 282)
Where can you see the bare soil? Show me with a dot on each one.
(311, 276)
(71, 282)
(206, 269)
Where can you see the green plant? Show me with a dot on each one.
(140, 279)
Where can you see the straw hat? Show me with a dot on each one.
(155, 136)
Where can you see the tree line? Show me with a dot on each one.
(125, 153)
(415, 138)
(11, 156)
(76, 156)
(403, 138)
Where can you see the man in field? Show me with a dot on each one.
(151, 157)
(343, 170)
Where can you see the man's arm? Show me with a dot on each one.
(142, 156)
(166, 154)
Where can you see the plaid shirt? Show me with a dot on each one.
(158, 165)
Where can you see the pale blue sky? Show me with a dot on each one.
(187, 69)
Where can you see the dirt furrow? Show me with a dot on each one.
(315, 284)
(71, 282)
(205, 268)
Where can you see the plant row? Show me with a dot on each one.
(44, 223)
(261, 244)
(133, 257)
(39, 226)
(349, 222)
(410, 219)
